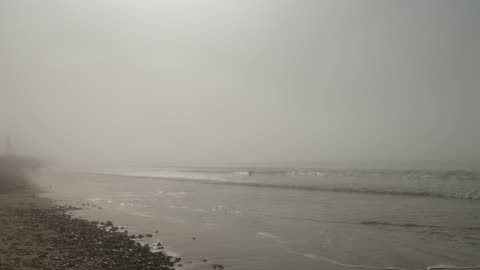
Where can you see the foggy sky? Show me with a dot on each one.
(339, 83)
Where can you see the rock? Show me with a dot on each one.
(148, 235)
(217, 266)
(205, 260)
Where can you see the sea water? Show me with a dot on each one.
(285, 218)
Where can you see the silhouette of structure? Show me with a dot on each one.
(9, 149)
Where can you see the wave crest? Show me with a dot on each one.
(420, 187)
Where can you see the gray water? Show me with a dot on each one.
(281, 218)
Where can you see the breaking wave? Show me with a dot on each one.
(406, 225)
(454, 184)
(355, 266)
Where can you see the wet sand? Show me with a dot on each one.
(36, 234)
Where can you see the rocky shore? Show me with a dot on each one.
(36, 237)
(35, 234)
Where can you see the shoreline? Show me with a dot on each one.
(37, 234)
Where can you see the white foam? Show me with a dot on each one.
(266, 234)
(179, 193)
(142, 214)
(451, 267)
(434, 267)
(332, 261)
(178, 207)
(187, 208)
(174, 220)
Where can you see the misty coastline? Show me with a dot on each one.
(315, 229)
(148, 201)
(245, 135)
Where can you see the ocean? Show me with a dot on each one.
(287, 218)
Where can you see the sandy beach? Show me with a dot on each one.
(36, 234)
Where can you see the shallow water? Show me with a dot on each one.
(289, 219)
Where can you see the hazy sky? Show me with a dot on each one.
(348, 83)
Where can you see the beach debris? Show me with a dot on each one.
(205, 259)
(217, 266)
(175, 259)
(159, 246)
(70, 208)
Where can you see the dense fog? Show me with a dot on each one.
(331, 83)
